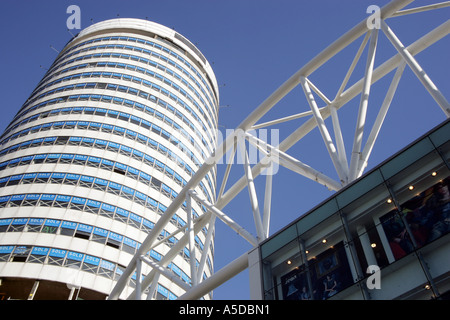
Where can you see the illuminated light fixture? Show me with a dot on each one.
(427, 286)
(289, 262)
(434, 173)
(389, 200)
(411, 187)
(306, 251)
(373, 245)
(324, 241)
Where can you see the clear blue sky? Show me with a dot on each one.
(253, 46)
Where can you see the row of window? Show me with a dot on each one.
(95, 234)
(130, 67)
(90, 110)
(73, 259)
(91, 206)
(157, 46)
(99, 184)
(99, 143)
(117, 130)
(148, 110)
(146, 61)
(124, 89)
(97, 162)
(91, 182)
(103, 144)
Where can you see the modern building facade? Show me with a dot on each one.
(123, 118)
(385, 236)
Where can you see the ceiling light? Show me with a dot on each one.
(324, 241)
(411, 187)
(373, 245)
(434, 174)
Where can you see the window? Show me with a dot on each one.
(31, 200)
(57, 177)
(61, 140)
(46, 200)
(107, 210)
(114, 188)
(61, 201)
(114, 240)
(80, 160)
(90, 264)
(18, 225)
(74, 259)
(92, 206)
(106, 269)
(43, 177)
(72, 179)
(51, 226)
(129, 245)
(93, 162)
(77, 203)
(135, 220)
(83, 231)
(68, 228)
(99, 235)
(16, 200)
(122, 215)
(14, 180)
(86, 181)
(35, 224)
(5, 252)
(38, 255)
(20, 253)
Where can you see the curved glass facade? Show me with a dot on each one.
(395, 220)
(117, 126)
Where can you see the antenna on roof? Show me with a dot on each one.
(54, 48)
(68, 30)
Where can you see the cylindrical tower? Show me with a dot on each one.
(123, 118)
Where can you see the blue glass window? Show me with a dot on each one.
(84, 228)
(93, 203)
(41, 251)
(52, 222)
(60, 253)
(69, 225)
(77, 256)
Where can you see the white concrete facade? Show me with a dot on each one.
(127, 101)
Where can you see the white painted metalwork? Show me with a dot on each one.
(277, 154)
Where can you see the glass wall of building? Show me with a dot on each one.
(386, 236)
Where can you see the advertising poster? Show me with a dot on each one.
(427, 216)
(329, 273)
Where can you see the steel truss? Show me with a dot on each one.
(347, 172)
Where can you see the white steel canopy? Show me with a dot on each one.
(370, 30)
